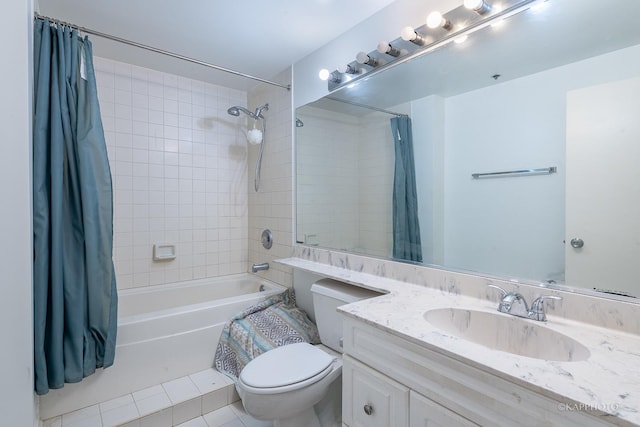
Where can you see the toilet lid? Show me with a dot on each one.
(285, 365)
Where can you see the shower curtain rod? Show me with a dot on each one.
(160, 51)
(355, 104)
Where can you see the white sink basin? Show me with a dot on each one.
(507, 333)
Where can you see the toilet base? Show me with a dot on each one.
(307, 418)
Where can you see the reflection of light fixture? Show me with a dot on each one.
(436, 20)
(385, 47)
(540, 6)
(365, 59)
(409, 34)
(478, 6)
(347, 69)
(461, 39)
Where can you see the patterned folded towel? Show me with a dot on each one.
(272, 323)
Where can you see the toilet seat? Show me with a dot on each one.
(286, 368)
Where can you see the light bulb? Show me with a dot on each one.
(473, 4)
(346, 69)
(409, 34)
(436, 20)
(365, 59)
(385, 47)
(324, 74)
(478, 6)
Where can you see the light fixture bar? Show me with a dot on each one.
(475, 21)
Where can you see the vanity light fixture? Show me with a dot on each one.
(365, 59)
(471, 15)
(436, 20)
(410, 35)
(385, 47)
(479, 6)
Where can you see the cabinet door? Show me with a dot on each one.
(370, 399)
(424, 412)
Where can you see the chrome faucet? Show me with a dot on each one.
(514, 303)
(258, 267)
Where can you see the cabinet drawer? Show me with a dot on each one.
(425, 412)
(371, 399)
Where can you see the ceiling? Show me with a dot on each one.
(259, 38)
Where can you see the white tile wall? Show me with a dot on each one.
(179, 166)
(345, 202)
(272, 206)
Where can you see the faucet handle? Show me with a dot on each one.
(504, 293)
(537, 307)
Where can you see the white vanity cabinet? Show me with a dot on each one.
(371, 399)
(375, 400)
(389, 381)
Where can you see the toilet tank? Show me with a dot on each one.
(328, 295)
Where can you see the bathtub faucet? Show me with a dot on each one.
(257, 267)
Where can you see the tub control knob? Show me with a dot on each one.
(368, 409)
(267, 239)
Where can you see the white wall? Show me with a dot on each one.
(509, 226)
(179, 166)
(272, 206)
(17, 403)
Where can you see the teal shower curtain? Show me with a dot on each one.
(75, 300)
(406, 227)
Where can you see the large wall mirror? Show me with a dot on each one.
(556, 89)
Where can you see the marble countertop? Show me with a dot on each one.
(606, 384)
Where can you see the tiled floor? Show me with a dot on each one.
(204, 399)
(230, 416)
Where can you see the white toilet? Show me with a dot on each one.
(285, 383)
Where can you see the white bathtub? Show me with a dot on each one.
(164, 332)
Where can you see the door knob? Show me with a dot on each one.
(577, 243)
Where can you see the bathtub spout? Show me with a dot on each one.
(258, 267)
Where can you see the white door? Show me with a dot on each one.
(603, 187)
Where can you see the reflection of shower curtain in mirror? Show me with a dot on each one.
(406, 228)
(74, 283)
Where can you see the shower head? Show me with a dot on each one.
(299, 123)
(235, 111)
